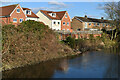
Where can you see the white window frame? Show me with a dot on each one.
(17, 11)
(22, 20)
(53, 14)
(54, 22)
(14, 21)
(29, 12)
(58, 23)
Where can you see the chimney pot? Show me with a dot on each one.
(85, 16)
(102, 17)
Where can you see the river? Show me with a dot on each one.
(95, 64)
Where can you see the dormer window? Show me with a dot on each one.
(28, 12)
(53, 14)
(18, 10)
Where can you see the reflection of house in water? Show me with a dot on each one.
(63, 65)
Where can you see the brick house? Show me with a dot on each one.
(14, 14)
(86, 24)
(55, 20)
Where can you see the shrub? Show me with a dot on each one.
(70, 41)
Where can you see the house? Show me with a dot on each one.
(92, 24)
(15, 14)
(12, 14)
(30, 15)
(55, 20)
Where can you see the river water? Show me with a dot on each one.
(95, 64)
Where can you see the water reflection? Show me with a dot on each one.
(63, 65)
(102, 64)
(42, 70)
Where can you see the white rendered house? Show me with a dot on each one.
(30, 15)
(52, 19)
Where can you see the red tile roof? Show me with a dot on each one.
(7, 10)
(32, 14)
(59, 15)
(26, 9)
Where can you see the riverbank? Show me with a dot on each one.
(30, 43)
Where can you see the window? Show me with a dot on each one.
(28, 12)
(54, 22)
(67, 23)
(63, 23)
(78, 29)
(18, 10)
(21, 20)
(58, 22)
(53, 14)
(65, 15)
(98, 24)
(89, 24)
(14, 20)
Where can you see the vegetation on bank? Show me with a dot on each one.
(29, 43)
(93, 43)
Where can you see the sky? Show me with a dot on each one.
(91, 9)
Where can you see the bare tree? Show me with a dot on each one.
(112, 9)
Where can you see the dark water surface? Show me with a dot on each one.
(96, 64)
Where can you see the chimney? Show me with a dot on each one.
(85, 16)
(102, 17)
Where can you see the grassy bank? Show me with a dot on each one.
(29, 43)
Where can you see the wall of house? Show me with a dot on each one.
(44, 19)
(4, 20)
(99, 27)
(64, 19)
(56, 26)
(75, 24)
(19, 16)
(30, 18)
